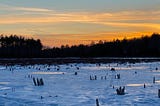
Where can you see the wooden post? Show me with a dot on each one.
(34, 80)
(144, 85)
(95, 77)
(97, 102)
(41, 82)
(90, 77)
(154, 79)
(159, 93)
(38, 82)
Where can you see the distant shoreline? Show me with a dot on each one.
(30, 61)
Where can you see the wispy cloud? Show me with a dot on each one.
(31, 9)
(125, 19)
(122, 18)
(17, 8)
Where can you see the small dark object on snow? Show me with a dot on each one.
(42, 97)
(120, 91)
(75, 73)
(77, 68)
(112, 69)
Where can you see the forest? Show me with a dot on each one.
(14, 46)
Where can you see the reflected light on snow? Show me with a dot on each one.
(132, 68)
(135, 85)
(2, 68)
(55, 73)
(4, 82)
(158, 81)
(95, 68)
(117, 68)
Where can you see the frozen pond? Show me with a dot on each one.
(76, 85)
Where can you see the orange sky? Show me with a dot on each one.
(103, 37)
(76, 23)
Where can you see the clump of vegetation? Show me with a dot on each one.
(120, 91)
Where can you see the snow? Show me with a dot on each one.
(63, 88)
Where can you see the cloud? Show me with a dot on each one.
(42, 15)
(122, 18)
(31, 9)
(17, 8)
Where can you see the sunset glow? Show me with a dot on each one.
(75, 22)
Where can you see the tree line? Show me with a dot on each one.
(14, 46)
(146, 46)
(18, 46)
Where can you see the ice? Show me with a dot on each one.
(63, 88)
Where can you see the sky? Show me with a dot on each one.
(72, 22)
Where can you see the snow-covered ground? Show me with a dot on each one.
(63, 88)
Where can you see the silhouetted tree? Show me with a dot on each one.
(18, 46)
(137, 47)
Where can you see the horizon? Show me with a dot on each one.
(92, 42)
(75, 22)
